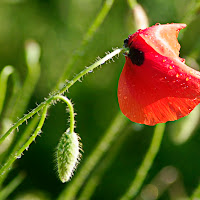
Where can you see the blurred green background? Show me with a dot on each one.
(59, 26)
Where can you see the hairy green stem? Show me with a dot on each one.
(146, 164)
(88, 36)
(61, 91)
(14, 155)
(26, 134)
(71, 110)
(111, 134)
(89, 69)
(23, 119)
(44, 105)
(52, 98)
(12, 158)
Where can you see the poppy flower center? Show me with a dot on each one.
(136, 56)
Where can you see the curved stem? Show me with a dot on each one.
(26, 145)
(61, 91)
(14, 155)
(111, 134)
(26, 133)
(23, 119)
(88, 36)
(71, 110)
(146, 164)
(24, 137)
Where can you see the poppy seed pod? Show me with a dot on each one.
(68, 155)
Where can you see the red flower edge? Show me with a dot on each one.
(155, 85)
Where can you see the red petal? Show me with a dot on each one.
(163, 88)
(163, 38)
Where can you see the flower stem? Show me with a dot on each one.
(111, 134)
(14, 155)
(24, 137)
(25, 146)
(44, 106)
(146, 164)
(23, 119)
(61, 91)
(89, 69)
(71, 110)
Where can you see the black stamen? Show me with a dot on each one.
(126, 43)
(136, 56)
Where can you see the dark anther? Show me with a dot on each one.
(126, 43)
(136, 56)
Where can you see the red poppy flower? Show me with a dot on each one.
(155, 85)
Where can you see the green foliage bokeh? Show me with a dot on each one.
(58, 26)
